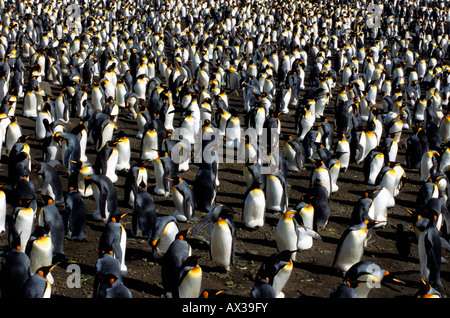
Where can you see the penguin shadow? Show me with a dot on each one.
(405, 218)
(317, 269)
(142, 287)
(341, 220)
(251, 257)
(94, 225)
(410, 204)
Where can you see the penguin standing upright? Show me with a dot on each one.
(106, 161)
(12, 134)
(222, 239)
(254, 209)
(83, 170)
(144, 213)
(105, 195)
(277, 268)
(164, 232)
(39, 249)
(205, 187)
(39, 284)
(51, 182)
(322, 173)
(74, 213)
(22, 221)
(317, 196)
(50, 217)
(114, 238)
(105, 265)
(173, 259)
(165, 169)
(124, 152)
(15, 269)
(351, 246)
(189, 279)
(221, 229)
(430, 251)
(71, 149)
(135, 177)
(286, 233)
(115, 287)
(184, 200)
(276, 191)
(295, 154)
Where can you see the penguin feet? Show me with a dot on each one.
(221, 273)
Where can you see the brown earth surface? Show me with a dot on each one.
(312, 275)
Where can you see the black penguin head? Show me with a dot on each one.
(45, 270)
(36, 168)
(226, 213)
(192, 261)
(110, 279)
(46, 199)
(182, 235)
(285, 255)
(117, 217)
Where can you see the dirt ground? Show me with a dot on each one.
(312, 275)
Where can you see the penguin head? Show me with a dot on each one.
(46, 199)
(37, 168)
(117, 217)
(109, 278)
(182, 235)
(44, 271)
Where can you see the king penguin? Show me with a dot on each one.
(430, 251)
(317, 196)
(278, 268)
(173, 259)
(205, 187)
(350, 248)
(364, 275)
(106, 161)
(136, 175)
(39, 248)
(276, 191)
(114, 238)
(74, 213)
(51, 182)
(22, 221)
(189, 279)
(15, 269)
(222, 239)
(184, 200)
(123, 147)
(286, 233)
(253, 213)
(295, 154)
(262, 289)
(164, 169)
(105, 195)
(50, 217)
(39, 284)
(144, 213)
(164, 233)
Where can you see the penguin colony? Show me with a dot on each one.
(349, 85)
